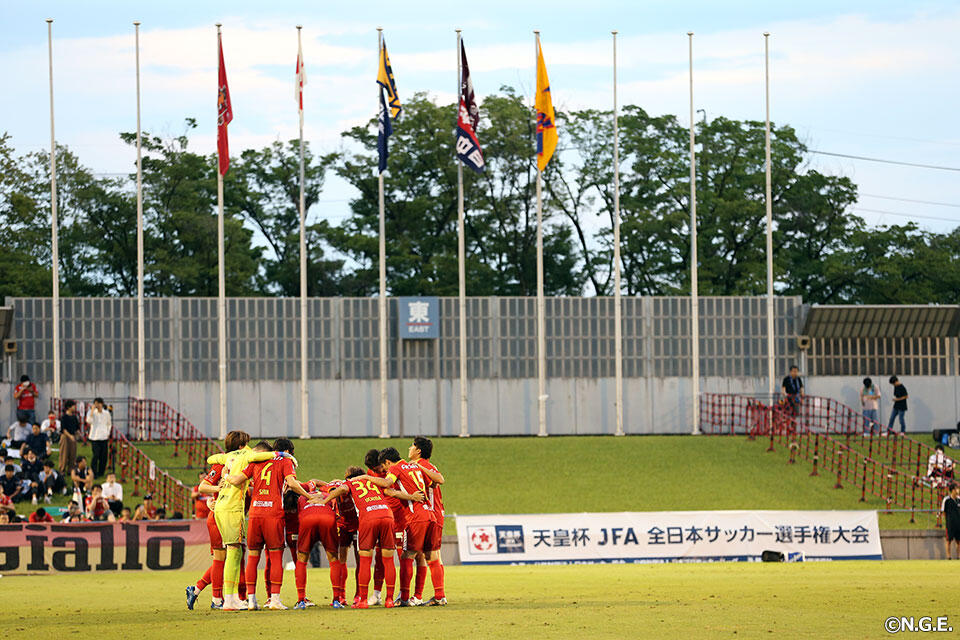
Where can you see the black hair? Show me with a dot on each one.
(176, 515)
(290, 500)
(162, 514)
(48, 463)
(793, 366)
(9, 467)
(99, 399)
(24, 378)
(263, 445)
(372, 459)
(867, 382)
(939, 447)
(41, 512)
(893, 379)
(283, 444)
(81, 459)
(353, 472)
(425, 445)
(68, 404)
(389, 455)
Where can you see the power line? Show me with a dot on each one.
(906, 215)
(881, 160)
(939, 204)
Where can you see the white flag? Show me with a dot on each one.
(301, 80)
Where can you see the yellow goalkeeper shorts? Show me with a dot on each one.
(231, 526)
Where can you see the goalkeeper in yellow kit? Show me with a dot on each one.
(229, 513)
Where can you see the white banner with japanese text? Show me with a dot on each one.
(667, 536)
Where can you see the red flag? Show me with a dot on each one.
(224, 114)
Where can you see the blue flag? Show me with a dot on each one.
(385, 129)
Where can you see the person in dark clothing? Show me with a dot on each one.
(792, 389)
(38, 442)
(70, 432)
(899, 403)
(951, 512)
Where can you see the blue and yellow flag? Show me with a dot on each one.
(385, 80)
(546, 125)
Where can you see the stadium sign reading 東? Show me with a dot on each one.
(418, 318)
(95, 546)
(690, 536)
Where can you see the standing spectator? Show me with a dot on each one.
(38, 442)
(51, 427)
(951, 511)
(82, 476)
(792, 390)
(899, 403)
(70, 431)
(12, 485)
(100, 423)
(869, 403)
(40, 515)
(18, 432)
(26, 395)
(113, 492)
(52, 481)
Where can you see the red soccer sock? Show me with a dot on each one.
(266, 574)
(251, 574)
(363, 577)
(378, 570)
(205, 579)
(420, 580)
(300, 577)
(436, 577)
(216, 578)
(390, 577)
(334, 576)
(406, 573)
(343, 580)
(276, 571)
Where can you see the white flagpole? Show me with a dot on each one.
(221, 291)
(304, 393)
(461, 273)
(771, 346)
(694, 293)
(617, 311)
(382, 301)
(541, 310)
(141, 339)
(55, 255)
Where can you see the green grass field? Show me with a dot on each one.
(595, 473)
(739, 600)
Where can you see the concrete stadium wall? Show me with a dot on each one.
(577, 406)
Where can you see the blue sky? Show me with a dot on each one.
(863, 78)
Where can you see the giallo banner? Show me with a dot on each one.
(89, 546)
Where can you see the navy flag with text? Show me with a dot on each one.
(468, 117)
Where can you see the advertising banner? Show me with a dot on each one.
(104, 546)
(666, 536)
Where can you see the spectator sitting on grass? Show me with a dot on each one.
(113, 492)
(40, 515)
(176, 516)
(139, 514)
(125, 515)
(939, 467)
(160, 514)
(149, 510)
(52, 481)
(82, 475)
(5, 517)
(38, 442)
(32, 468)
(51, 427)
(6, 505)
(97, 507)
(17, 433)
(13, 462)
(73, 514)
(11, 484)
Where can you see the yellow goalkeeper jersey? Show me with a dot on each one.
(231, 498)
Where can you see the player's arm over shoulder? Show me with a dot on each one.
(383, 483)
(217, 458)
(431, 472)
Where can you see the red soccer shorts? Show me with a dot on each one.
(376, 533)
(314, 529)
(417, 535)
(434, 537)
(216, 542)
(265, 532)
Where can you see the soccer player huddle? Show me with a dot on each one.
(256, 504)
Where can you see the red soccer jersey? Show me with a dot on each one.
(346, 511)
(434, 495)
(267, 488)
(28, 396)
(410, 479)
(309, 509)
(200, 508)
(369, 500)
(396, 505)
(46, 517)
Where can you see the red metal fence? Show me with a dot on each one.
(837, 440)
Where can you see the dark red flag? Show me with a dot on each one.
(224, 114)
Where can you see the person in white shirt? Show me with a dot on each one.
(939, 467)
(113, 492)
(51, 427)
(101, 424)
(18, 433)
